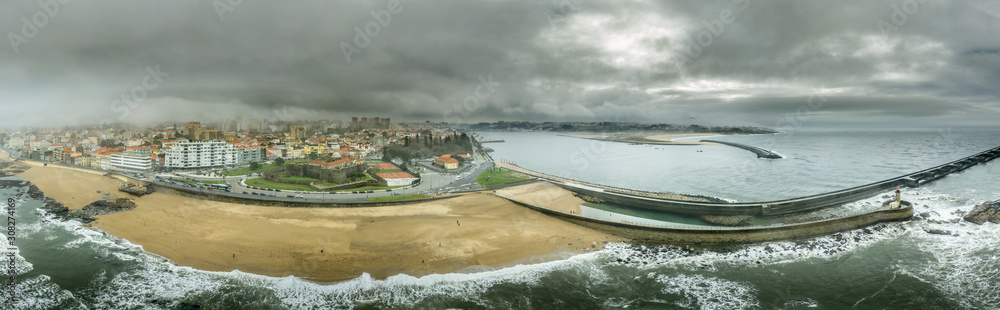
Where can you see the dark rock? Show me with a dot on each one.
(102, 207)
(981, 213)
(938, 232)
(727, 220)
(62, 212)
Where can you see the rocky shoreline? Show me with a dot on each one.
(985, 212)
(86, 214)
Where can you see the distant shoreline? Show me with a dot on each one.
(653, 138)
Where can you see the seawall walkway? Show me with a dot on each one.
(768, 208)
(725, 235)
(761, 152)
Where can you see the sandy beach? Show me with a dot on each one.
(648, 138)
(545, 194)
(331, 244)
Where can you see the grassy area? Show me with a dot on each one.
(499, 177)
(403, 197)
(247, 170)
(390, 170)
(295, 178)
(281, 186)
(214, 182)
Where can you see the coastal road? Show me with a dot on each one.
(432, 183)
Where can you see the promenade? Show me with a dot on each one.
(677, 204)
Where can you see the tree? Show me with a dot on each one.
(460, 159)
(254, 165)
(313, 155)
(280, 161)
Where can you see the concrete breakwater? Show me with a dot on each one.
(768, 208)
(726, 235)
(761, 152)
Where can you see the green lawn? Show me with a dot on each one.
(390, 170)
(295, 178)
(247, 170)
(403, 197)
(499, 177)
(214, 182)
(281, 186)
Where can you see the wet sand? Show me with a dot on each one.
(327, 244)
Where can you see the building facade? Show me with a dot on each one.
(131, 162)
(200, 154)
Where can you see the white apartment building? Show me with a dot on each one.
(246, 155)
(15, 143)
(200, 154)
(131, 162)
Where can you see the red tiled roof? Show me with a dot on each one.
(446, 160)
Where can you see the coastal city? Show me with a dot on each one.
(501, 154)
(240, 156)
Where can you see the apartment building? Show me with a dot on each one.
(200, 154)
(131, 162)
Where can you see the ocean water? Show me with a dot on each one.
(63, 265)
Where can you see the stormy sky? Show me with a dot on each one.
(731, 62)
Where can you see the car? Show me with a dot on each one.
(291, 196)
(388, 190)
(272, 195)
(245, 192)
(354, 192)
(299, 196)
(277, 190)
(333, 192)
(371, 192)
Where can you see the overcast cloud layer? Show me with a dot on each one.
(864, 62)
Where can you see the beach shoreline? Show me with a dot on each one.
(470, 233)
(653, 138)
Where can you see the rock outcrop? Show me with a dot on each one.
(985, 212)
(588, 198)
(727, 220)
(63, 213)
(102, 207)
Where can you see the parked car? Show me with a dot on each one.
(272, 195)
(245, 192)
(291, 196)
(299, 196)
(254, 193)
(371, 192)
(333, 192)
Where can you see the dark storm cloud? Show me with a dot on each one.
(873, 61)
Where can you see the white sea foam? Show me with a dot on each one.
(709, 293)
(38, 293)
